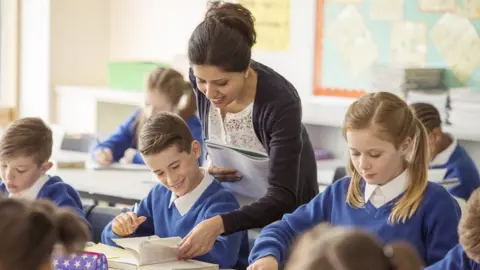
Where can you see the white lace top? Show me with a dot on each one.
(236, 129)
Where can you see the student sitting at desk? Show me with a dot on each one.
(166, 91)
(465, 255)
(387, 194)
(446, 153)
(30, 231)
(186, 196)
(25, 150)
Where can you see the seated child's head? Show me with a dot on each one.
(469, 227)
(385, 138)
(165, 89)
(430, 118)
(169, 150)
(29, 231)
(341, 248)
(25, 150)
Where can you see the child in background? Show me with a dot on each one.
(387, 194)
(30, 230)
(25, 150)
(340, 248)
(465, 255)
(166, 91)
(186, 196)
(445, 152)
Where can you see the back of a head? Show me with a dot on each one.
(29, 137)
(427, 114)
(162, 131)
(224, 39)
(469, 229)
(30, 230)
(342, 248)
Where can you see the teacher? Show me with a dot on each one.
(246, 104)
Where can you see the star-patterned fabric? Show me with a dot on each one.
(83, 261)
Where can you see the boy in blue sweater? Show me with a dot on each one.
(446, 153)
(166, 91)
(387, 194)
(25, 150)
(186, 196)
(465, 255)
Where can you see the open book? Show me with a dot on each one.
(145, 253)
(253, 167)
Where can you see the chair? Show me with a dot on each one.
(340, 172)
(99, 217)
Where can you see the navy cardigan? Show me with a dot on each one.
(277, 115)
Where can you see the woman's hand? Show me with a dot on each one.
(128, 156)
(224, 174)
(201, 239)
(103, 156)
(265, 263)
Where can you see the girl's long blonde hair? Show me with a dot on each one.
(172, 84)
(395, 122)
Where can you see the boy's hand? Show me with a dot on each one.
(126, 224)
(103, 156)
(265, 263)
(128, 156)
(224, 174)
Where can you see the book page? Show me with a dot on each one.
(109, 251)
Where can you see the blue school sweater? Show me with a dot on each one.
(455, 259)
(60, 193)
(166, 221)
(461, 166)
(432, 229)
(125, 138)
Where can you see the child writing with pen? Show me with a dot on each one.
(186, 195)
(166, 90)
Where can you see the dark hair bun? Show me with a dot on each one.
(234, 16)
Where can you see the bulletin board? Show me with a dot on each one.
(445, 34)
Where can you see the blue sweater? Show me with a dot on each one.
(166, 221)
(455, 259)
(60, 193)
(461, 166)
(125, 138)
(432, 229)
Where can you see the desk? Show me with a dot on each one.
(113, 186)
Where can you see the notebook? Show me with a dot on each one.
(145, 253)
(253, 167)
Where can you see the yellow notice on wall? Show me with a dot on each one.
(272, 23)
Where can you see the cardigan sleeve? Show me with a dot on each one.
(284, 129)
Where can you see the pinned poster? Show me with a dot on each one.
(391, 10)
(272, 23)
(472, 8)
(408, 44)
(345, 1)
(353, 41)
(437, 6)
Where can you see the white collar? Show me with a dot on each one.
(185, 203)
(390, 190)
(443, 157)
(31, 193)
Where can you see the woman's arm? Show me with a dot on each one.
(283, 176)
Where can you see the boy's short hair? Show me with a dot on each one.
(29, 137)
(469, 227)
(162, 131)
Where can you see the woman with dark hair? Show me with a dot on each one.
(245, 104)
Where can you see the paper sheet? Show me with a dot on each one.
(391, 10)
(353, 41)
(437, 5)
(471, 8)
(408, 44)
(272, 23)
(454, 37)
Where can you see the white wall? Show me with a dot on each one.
(35, 59)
